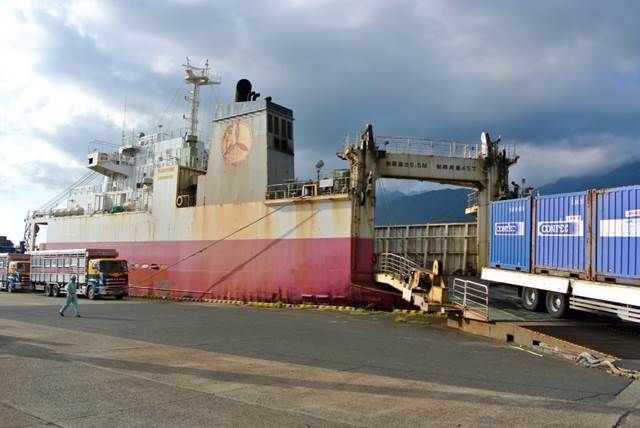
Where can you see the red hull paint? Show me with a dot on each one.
(292, 270)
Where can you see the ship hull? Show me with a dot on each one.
(292, 250)
(316, 270)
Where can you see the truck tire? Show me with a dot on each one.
(47, 290)
(119, 296)
(557, 304)
(533, 299)
(91, 293)
(55, 291)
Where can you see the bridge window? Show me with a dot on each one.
(451, 167)
(457, 167)
(393, 163)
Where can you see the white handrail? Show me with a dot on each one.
(471, 296)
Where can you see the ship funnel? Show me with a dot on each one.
(243, 90)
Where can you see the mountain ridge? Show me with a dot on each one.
(447, 205)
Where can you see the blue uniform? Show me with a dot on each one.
(71, 290)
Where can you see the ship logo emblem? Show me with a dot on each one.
(236, 142)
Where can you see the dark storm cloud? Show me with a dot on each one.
(543, 73)
(51, 176)
(42, 175)
(75, 139)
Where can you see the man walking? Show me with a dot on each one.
(71, 289)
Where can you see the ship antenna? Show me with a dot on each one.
(124, 118)
(196, 77)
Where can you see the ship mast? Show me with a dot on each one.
(197, 77)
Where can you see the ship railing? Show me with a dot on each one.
(308, 188)
(472, 199)
(140, 139)
(428, 147)
(200, 164)
(116, 158)
(472, 297)
(35, 214)
(158, 137)
(350, 140)
(396, 265)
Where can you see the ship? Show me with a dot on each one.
(223, 219)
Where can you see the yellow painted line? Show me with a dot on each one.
(322, 307)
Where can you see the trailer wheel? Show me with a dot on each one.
(56, 290)
(119, 296)
(91, 293)
(557, 304)
(47, 290)
(533, 299)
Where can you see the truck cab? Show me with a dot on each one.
(15, 272)
(18, 275)
(107, 277)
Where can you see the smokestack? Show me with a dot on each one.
(243, 91)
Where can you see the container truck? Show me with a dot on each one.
(14, 272)
(99, 272)
(579, 250)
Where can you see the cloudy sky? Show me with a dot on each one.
(561, 80)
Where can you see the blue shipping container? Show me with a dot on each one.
(510, 240)
(616, 254)
(561, 234)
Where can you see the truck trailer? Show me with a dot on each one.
(576, 250)
(14, 272)
(99, 272)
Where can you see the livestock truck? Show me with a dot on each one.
(99, 272)
(14, 272)
(576, 250)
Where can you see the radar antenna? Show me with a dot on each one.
(196, 76)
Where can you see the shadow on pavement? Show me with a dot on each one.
(37, 349)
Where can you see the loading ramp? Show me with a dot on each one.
(505, 319)
(496, 312)
(422, 287)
